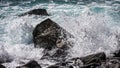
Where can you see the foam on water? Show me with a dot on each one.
(94, 26)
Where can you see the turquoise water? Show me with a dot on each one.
(94, 23)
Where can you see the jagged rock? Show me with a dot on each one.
(92, 65)
(36, 12)
(117, 65)
(54, 66)
(90, 61)
(51, 36)
(31, 64)
(117, 53)
(68, 63)
(98, 60)
(112, 63)
(1, 66)
(61, 65)
(94, 58)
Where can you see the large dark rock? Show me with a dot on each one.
(115, 65)
(90, 61)
(31, 64)
(61, 65)
(92, 65)
(1, 66)
(98, 60)
(53, 66)
(50, 35)
(94, 58)
(36, 12)
(117, 53)
(68, 63)
(111, 63)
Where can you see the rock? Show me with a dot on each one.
(90, 61)
(36, 12)
(61, 65)
(92, 65)
(94, 58)
(75, 62)
(1, 66)
(50, 36)
(69, 63)
(31, 64)
(116, 53)
(112, 63)
(117, 65)
(71, 66)
(54, 66)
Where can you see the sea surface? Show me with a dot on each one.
(94, 23)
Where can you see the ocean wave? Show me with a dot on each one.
(96, 27)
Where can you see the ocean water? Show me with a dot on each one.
(94, 23)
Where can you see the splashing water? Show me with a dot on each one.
(94, 24)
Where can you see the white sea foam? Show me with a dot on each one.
(94, 32)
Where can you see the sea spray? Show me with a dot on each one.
(94, 26)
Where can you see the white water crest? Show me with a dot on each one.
(96, 28)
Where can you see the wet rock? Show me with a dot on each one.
(61, 65)
(74, 62)
(116, 53)
(97, 60)
(31, 64)
(1, 66)
(54, 66)
(36, 12)
(91, 65)
(117, 65)
(50, 36)
(112, 63)
(94, 58)
(71, 66)
(68, 63)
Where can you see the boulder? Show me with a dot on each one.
(116, 53)
(90, 61)
(94, 58)
(50, 36)
(1, 66)
(117, 65)
(112, 63)
(92, 65)
(53, 66)
(68, 63)
(61, 65)
(31, 64)
(36, 12)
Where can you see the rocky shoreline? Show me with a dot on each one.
(98, 60)
(54, 39)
